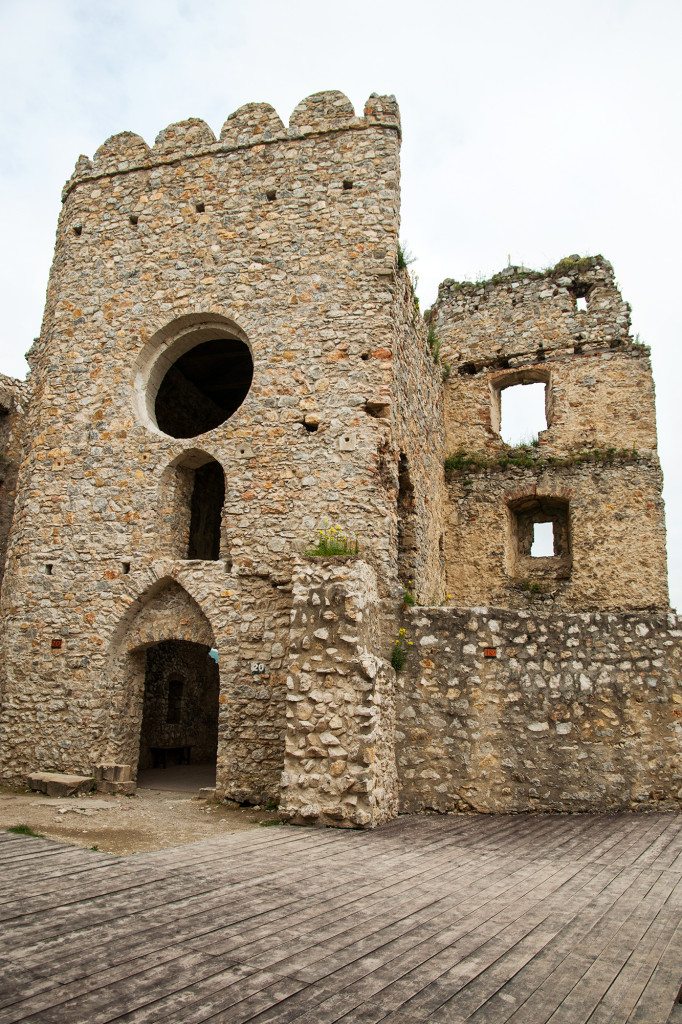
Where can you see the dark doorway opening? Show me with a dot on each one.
(204, 387)
(179, 734)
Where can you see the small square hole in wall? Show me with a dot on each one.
(200, 207)
(48, 568)
(134, 218)
(125, 568)
(543, 540)
(271, 195)
(581, 303)
(78, 229)
(347, 184)
(539, 540)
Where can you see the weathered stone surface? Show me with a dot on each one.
(574, 712)
(59, 784)
(339, 761)
(598, 454)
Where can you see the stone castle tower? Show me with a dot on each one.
(231, 359)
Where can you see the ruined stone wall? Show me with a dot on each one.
(573, 712)
(597, 457)
(285, 238)
(13, 402)
(339, 766)
(419, 438)
(616, 556)
(87, 709)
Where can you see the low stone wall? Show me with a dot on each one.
(502, 711)
(339, 765)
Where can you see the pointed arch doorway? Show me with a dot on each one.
(179, 728)
(162, 691)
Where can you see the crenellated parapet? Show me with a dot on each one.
(254, 124)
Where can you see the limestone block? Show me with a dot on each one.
(59, 784)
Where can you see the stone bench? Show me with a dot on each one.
(59, 784)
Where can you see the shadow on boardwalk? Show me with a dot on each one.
(520, 919)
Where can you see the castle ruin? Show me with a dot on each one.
(232, 358)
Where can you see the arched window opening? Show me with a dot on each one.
(539, 538)
(193, 495)
(407, 531)
(521, 406)
(203, 387)
(206, 511)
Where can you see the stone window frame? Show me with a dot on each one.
(164, 349)
(504, 379)
(523, 511)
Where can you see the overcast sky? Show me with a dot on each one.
(531, 130)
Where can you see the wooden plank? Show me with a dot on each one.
(441, 918)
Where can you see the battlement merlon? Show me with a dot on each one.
(574, 306)
(254, 124)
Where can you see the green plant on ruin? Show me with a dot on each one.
(574, 265)
(332, 542)
(409, 599)
(531, 587)
(528, 456)
(434, 343)
(24, 830)
(567, 266)
(399, 650)
(461, 460)
(405, 257)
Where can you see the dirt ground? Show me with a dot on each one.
(150, 820)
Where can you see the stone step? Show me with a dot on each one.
(116, 788)
(59, 784)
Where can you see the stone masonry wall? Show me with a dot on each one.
(419, 435)
(13, 402)
(617, 538)
(339, 766)
(86, 709)
(573, 713)
(283, 237)
(597, 457)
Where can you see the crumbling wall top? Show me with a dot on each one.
(13, 394)
(574, 303)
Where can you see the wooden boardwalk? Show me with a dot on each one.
(521, 919)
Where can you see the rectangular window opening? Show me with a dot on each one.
(523, 413)
(581, 303)
(543, 541)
